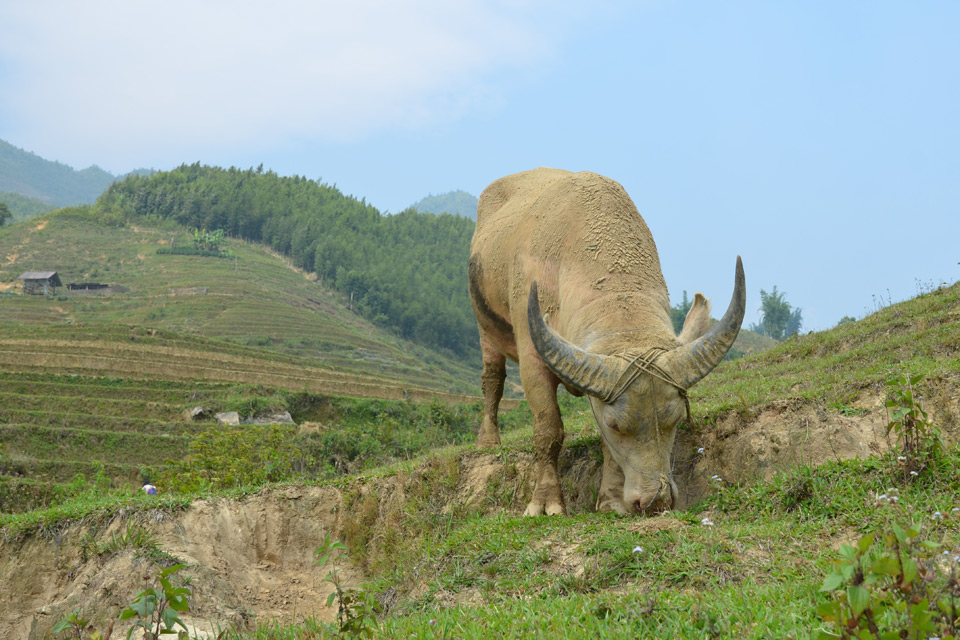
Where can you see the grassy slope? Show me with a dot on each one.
(254, 299)
(835, 367)
(260, 323)
(754, 573)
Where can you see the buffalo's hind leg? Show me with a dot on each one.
(494, 373)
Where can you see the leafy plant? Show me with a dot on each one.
(356, 609)
(892, 587)
(157, 611)
(207, 240)
(77, 625)
(919, 440)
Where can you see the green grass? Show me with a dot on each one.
(754, 573)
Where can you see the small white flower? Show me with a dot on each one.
(707, 522)
(937, 515)
(895, 498)
(638, 549)
(882, 496)
(955, 510)
(902, 458)
(700, 450)
(914, 473)
(946, 553)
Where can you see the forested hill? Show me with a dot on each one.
(52, 183)
(24, 207)
(406, 271)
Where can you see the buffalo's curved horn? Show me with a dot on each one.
(591, 373)
(691, 362)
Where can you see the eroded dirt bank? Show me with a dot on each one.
(254, 555)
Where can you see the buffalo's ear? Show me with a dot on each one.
(697, 321)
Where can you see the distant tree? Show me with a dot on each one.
(846, 320)
(795, 322)
(678, 313)
(5, 213)
(779, 320)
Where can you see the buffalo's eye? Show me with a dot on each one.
(613, 426)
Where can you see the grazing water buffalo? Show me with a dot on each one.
(574, 245)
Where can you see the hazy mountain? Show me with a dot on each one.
(52, 183)
(458, 203)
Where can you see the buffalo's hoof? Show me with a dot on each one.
(488, 442)
(612, 506)
(537, 508)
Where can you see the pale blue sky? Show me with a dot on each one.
(819, 140)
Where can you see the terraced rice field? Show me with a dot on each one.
(115, 400)
(137, 352)
(53, 427)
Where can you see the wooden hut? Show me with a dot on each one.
(40, 283)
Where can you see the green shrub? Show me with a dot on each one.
(207, 240)
(225, 456)
(77, 626)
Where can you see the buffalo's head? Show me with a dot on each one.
(639, 397)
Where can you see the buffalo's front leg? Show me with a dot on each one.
(611, 484)
(540, 387)
(491, 381)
